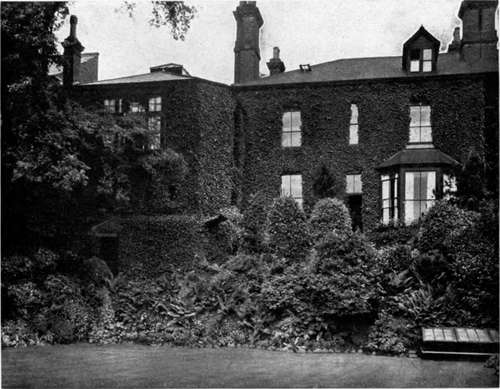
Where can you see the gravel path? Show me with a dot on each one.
(137, 366)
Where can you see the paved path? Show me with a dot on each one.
(137, 366)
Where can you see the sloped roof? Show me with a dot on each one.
(373, 68)
(429, 156)
(140, 78)
(88, 68)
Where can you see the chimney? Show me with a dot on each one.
(479, 36)
(455, 43)
(276, 65)
(72, 55)
(246, 47)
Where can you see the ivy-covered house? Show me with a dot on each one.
(389, 130)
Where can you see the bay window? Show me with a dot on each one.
(420, 194)
(291, 185)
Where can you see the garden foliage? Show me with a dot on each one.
(330, 215)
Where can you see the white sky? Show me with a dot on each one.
(311, 31)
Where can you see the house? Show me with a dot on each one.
(390, 130)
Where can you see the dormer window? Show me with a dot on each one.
(420, 52)
(421, 60)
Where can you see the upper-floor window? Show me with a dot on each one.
(421, 60)
(291, 135)
(136, 107)
(420, 124)
(155, 104)
(353, 125)
(110, 105)
(353, 183)
(154, 132)
(291, 185)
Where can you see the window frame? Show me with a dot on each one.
(392, 179)
(421, 60)
(419, 126)
(354, 126)
(110, 105)
(437, 190)
(291, 131)
(354, 192)
(298, 199)
(155, 104)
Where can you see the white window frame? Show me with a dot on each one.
(354, 125)
(154, 104)
(288, 190)
(291, 135)
(389, 195)
(110, 105)
(420, 132)
(354, 184)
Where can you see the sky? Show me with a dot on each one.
(307, 32)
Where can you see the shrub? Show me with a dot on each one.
(391, 335)
(288, 229)
(16, 267)
(330, 215)
(440, 223)
(392, 234)
(254, 222)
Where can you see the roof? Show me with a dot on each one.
(140, 78)
(428, 156)
(373, 68)
(88, 68)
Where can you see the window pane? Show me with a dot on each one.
(155, 141)
(427, 66)
(409, 178)
(296, 185)
(425, 134)
(385, 216)
(357, 183)
(414, 116)
(414, 134)
(425, 115)
(349, 180)
(414, 66)
(431, 185)
(427, 54)
(296, 121)
(296, 139)
(385, 189)
(354, 114)
(386, 203)
(285, 185)
(449, 183)
(353, 134)
(286, 139)
(415, 54)
(409, 212)
(395, 186)
(287, 121)
(155, 104)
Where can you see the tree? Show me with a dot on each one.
(60, 171)
(324, 184)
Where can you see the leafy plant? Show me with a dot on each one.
(330, 215)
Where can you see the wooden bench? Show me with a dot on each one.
(467, 342)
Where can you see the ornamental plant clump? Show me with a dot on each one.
(330, 215)
(254, 222)
(288, 230)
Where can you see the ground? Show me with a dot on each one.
(127, 366)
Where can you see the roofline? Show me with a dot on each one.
(152, 83)
(363, 80)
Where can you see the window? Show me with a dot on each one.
(353, 183)
(154, 132)
(420, 190)
(389, 198)
(353, 125)
(421, 60)
(110, 105)
(120, 105)
(291, 185)
(291, 136)
(155, 104)
(136, 107)
(420, 124)
(449, 186)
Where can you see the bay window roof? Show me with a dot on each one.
(418, 157)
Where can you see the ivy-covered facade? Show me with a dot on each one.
(390, 131)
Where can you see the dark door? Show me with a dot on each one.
(354, 203)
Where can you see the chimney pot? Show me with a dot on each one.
(73, 21)
(276, 53)
(275, 64)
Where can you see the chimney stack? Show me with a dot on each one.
(276, 65)
(72, 55)
(455, 43)
(246, 47)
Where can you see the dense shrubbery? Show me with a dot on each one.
(330, 215)
(288, 230)
(392, 234)
(294, 296)
(254, 223)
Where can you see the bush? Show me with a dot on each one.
(288, 229)
(391, 335)
(254, 222)
(440, 223)
(330, 215)
(392, 234)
